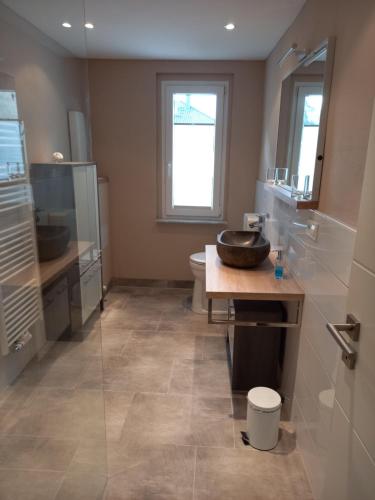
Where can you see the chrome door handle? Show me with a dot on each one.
(352, 328)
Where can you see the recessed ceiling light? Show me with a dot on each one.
(66, 24)
(89, 26)
(230, 26)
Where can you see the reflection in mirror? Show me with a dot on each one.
(303, 112)
(51, 364)
(12, 151)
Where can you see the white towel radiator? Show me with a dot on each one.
(20, 306)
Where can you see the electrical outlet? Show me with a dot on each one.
(312, 230)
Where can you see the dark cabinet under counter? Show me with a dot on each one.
(256, 353)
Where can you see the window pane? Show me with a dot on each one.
(194, 121)
(309, 137)
(8, 105)
(11, 150)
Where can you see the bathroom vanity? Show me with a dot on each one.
(66, 197)
(257, 321)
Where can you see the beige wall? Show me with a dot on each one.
(47, 85)
(123, 97)
(353, 24)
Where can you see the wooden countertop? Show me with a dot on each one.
(50, 269)
(224, 282)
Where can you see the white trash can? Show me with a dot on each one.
(263, 417)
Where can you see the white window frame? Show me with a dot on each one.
(300, 90)
(189, 213)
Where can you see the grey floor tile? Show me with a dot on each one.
(233, 474)
(200, 377)
(214, 347)
(160, 472)
(82, 482)
(29, 485)
(170, 419)
(60, 414)
(212, 407)
(19, 452)
(137, 374)
(163, 345)
(117, 405)
(143, 394)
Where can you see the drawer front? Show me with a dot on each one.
(91, 291)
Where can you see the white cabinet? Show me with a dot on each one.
(87, 212)
(91, 290)
(87, 217)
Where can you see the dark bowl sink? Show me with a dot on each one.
(242, 248)
(52, 241)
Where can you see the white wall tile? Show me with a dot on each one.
(328, 292)
(356, 388)
(365, 244)
(313, 460)
(314, 329)
(334, 247)
(322, 268)
(350, 470)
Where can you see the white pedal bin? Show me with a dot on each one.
(263, 417)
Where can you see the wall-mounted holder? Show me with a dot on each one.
(231, 320)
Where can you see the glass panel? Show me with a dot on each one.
(309, 137)
(11, 150)
(52, 399)
(194, 123)
(8, 105)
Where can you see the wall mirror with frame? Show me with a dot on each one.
(302, 127)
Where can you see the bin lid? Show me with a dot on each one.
(264, 398)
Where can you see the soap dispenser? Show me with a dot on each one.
(279, 265)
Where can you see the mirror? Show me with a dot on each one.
(302, 124)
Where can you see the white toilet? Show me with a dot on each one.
(198, 268)
(200, 303)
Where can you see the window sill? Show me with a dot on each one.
(192, 221)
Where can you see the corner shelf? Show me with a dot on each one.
(286, 196)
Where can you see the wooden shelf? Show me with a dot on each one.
(286, 196)
(51, 269)
(258, 283)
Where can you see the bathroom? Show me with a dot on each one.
(128, 340)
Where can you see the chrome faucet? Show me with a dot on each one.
(259, 224)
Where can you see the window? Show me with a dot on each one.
(193, 119)
(308, 101)
(12, 164)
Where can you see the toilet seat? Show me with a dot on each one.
(198, 258)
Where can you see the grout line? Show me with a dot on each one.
(171, 376)
(195, 469)
(233, 426)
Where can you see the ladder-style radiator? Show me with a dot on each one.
(20, 305)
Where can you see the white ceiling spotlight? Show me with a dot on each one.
(230, 27)
(65, 24)
(89, 26)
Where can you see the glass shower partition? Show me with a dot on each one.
(52, 404)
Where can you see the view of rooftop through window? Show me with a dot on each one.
(11, 145)
(194, 124)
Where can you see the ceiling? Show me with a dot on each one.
(162, 29)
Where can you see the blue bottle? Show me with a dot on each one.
(279, 266)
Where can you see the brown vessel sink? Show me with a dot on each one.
(52, 241)
(242, 249)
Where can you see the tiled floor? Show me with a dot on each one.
(140, 408)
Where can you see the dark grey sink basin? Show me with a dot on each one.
(242, 248)
(52, 241)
